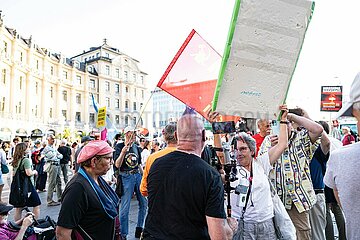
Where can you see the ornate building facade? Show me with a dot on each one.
(44, 92)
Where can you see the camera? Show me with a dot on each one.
(241, 190)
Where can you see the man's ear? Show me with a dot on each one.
(203, 135)
(175, 135)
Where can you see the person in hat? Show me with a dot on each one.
(342, 174)
(127, 158)
(7, 232)
(94, 214)
(84, 140)
(52, 158)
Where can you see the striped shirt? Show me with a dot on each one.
(291, 172)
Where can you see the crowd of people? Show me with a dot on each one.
(180, 192)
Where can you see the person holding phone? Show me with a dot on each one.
(291, 172)
(128, 161)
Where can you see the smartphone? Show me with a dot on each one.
(223, 127)
(275, 127)
(296, 111)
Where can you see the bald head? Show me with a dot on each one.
(190, 133)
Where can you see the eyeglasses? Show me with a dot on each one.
(142, 140)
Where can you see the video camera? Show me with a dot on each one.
(229, 158)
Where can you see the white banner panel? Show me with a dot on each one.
(263, 46)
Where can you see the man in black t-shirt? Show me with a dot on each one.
(127, 159)
(186, 195)
(64, 162)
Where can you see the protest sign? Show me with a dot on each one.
(264, 43)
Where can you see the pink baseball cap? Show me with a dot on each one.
(94, 148)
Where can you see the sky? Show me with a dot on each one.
(153, 31)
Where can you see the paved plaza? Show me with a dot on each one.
(54, 211)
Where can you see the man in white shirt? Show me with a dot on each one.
(342, 174)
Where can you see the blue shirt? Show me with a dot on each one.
(318, 167)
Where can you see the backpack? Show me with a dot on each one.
(35, 157)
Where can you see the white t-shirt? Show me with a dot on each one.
(260, 206)
(144, 156)
(342, 173)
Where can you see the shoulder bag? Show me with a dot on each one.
(20, 186)
(4, 168)
(284, 227)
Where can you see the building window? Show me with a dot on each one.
(64, 114)
(107, 102)
(37, 64)
(117, 103)
(52, 70)
(97, 55)
(2, 104)
(126, 105)
(125, 75)
(107, 70)
(142, 79)
(134, 77)
(134, 105)
(107, 86)
(3, 76)
(21, 56)
(5, 47)
(126, 89)
(135, 92)
(141, 105)
(36, 110)
(65, 75)
(126, 120)
(78, 117)
(117, 73)
(92, 83)
(134, 121)
(117, 119)
(117, 88)
(50, 113)
(78, 80)
(78, 98)
(107, 55)
(20, 82)
(65, 96)
(36, 88)
(142, 94)
(51, 92)
(92, 118)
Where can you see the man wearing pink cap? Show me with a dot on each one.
(89, 205)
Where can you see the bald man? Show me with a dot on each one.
(185, 194)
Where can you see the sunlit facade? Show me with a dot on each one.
(44, 92)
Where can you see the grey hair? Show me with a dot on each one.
(169, 133)
(246, 138)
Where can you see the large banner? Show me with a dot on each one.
(192, 75)
(331, 98)
(263, 46)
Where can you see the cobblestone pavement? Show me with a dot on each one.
(53, 212)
